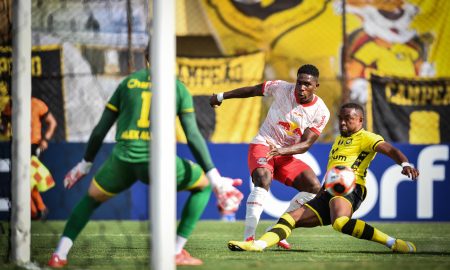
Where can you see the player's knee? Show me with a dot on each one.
(307, 181)
(340, 222)
(203, 185)
(98, 195)
(315, 187)
(262, 177)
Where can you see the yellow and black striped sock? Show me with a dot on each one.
(280, 231)
(360, 229)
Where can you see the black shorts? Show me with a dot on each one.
(320, 205)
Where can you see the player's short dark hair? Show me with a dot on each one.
(355, 106)
(308, 69)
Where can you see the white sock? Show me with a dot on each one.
(255, 207)
(390, 242)
(179, 244)
(63, 248)
(261, 244)
(299, 200)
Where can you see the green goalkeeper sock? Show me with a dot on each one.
(80, 216)
(193, 210)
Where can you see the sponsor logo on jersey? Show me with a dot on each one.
(135, 83)
(135, 135)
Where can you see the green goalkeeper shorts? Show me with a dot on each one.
(116, 175)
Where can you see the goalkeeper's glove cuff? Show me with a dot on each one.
(214, 177)
(85, 166)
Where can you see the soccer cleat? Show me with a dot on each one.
(243, 246)
(401, 246)
(284, 244)
(56, 262)
(184, 258)
(250, 239)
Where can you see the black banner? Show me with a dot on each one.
(47, 83)
(410, 111)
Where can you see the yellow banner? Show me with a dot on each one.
(237, 120)
(407, 38)
(204, 76)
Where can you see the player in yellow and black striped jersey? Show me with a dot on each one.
(355, 148)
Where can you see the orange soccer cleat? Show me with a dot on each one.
(184, 258)
(56, 262)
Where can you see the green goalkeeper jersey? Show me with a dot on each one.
(130, 107)
(131, 102)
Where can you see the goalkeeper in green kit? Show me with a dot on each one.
(128, 162)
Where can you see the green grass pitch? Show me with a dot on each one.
(125, 245)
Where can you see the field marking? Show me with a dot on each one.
(199, 235)
(94, 234)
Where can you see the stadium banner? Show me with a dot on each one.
(410, 111)
(398, 38)
(47, 84)
(205, 76)
(382, 35)
(391, 195)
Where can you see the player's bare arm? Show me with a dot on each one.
(51, 123)
(397, 155)
(243, 92)
(307, 140)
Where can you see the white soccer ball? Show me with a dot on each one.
(340, 180)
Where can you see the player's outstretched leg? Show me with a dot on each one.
(298, 201)
(360, 229)
(77, 221)
(281, 230)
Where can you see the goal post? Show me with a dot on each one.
(21, 119)
(163, 146)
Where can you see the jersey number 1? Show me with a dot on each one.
(144, 119)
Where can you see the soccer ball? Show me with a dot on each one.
(340, 180)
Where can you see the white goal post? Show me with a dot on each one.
(21, 130)
(163, 147)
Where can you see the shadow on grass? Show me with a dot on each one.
(431, 253)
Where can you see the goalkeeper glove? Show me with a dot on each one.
(79, 171)
(228, 197)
